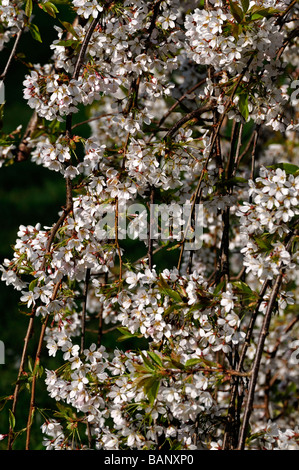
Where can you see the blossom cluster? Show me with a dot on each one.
(189, 321)
(275, 204)
(11, 18)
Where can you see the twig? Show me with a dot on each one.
(150, 238)
(84, 309)
(195, 114)
(20, 373)
(36, 364)
(285, 12)
(23, 152)
(179, 100)
(259, 351)
(231, 429)
(95, 118)
(13, 51)
(213, 139)
(117, 241)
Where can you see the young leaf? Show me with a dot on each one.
(28, 8)
(155, 358)
(126, 334)
(245, 5)
(264, 244)
(49, 8)
(236, 11)
(192, 362)
(34, 30)
(168, 291)
(12, 420)
(243, 106)
(69, 28)
(151, 388)
(258, 13)
(243, 287)
(148, 364)
(289, 168)
(33, 284)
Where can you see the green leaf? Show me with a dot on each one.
(12, 420)
(192, 362)
(264, 244)
(164, 287)
(243, 287)
(151, 388)
(243, 105)
(70, 29)
(33, 284)
(245, 5)
(155, 358)
(258, 13)
(30, 364)
(28, 8)
(34, 30)
(289, 168)
(126, 334)
(219, 287)
(68, 43)
(49, 8)
(148, 364)
(236, 11)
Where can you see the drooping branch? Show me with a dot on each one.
(260, 348)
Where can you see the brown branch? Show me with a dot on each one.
(150, 239)
(195, 114)
(231, 433)
(84, 310)
(20, 374)
(283, 15)
(184, 96)
(292, 35)
(24, 149)
(117, 241)
(95, 118)
(13, 51)
(35, 373)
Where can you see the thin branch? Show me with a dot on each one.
(283, 15)
(292, 35)
(84, 309)
(20, 374)
(54, 230)
(117, 241)
(231, 430)
(36, 364)
(259, 351)
(195, 114)
(150, 239)
(24, 150)
(184, 96)
(95, 118)
(13, 51)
